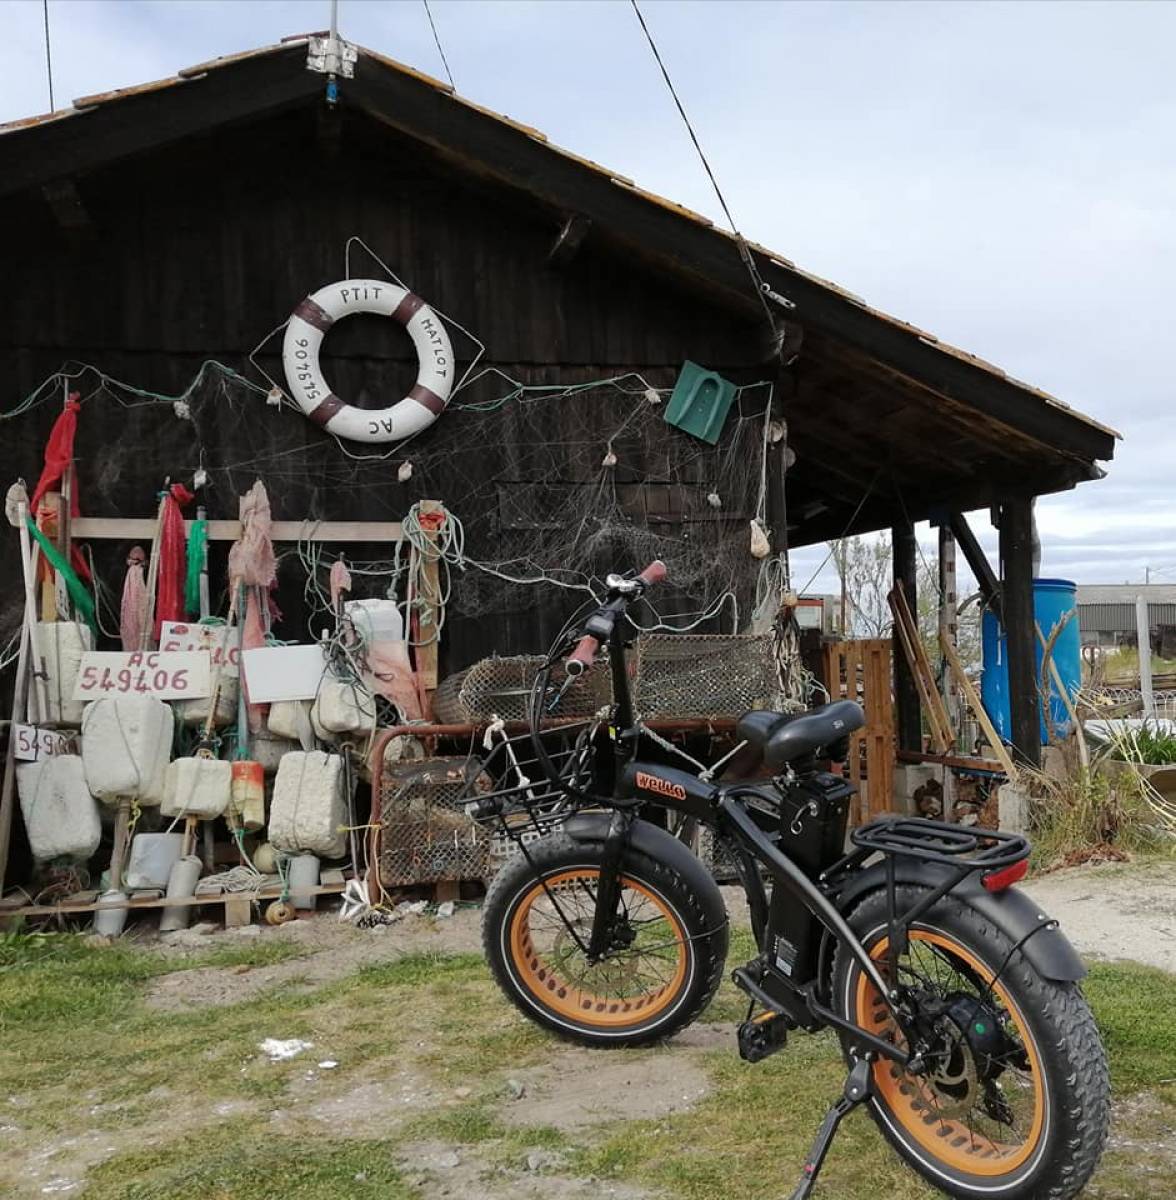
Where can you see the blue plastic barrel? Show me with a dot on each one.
(1052, 599)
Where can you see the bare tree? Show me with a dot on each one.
(863, 565)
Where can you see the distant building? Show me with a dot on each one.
(1106, 613)
(819, 612)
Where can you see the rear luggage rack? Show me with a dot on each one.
(961, 846)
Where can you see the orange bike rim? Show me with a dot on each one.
(912, 1100)
(588, 998)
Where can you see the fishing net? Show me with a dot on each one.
(548, 485)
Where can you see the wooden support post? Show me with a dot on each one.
(906, 692)
(1016, 558)
(949, 623)
(118, 852)
(52, 501)
(238, 910)
(776, 463)
(429, 612)
(978, 561)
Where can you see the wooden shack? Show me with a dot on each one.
(156, 235)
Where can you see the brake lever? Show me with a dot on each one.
(567, 683)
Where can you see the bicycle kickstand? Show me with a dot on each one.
(857, 1090)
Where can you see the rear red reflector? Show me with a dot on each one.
(997, 881)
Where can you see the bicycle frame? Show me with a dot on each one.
(787, 835)
(721, 807)
(936, 856)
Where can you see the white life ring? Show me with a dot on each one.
(300, 359)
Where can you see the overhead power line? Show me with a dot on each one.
(744, 249)
(437, 39)
(48, 55)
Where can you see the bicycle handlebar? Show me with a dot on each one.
(587, 648)
(583, 656)
(655, 573)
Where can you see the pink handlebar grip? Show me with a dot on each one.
(583, 656)
(655, 573)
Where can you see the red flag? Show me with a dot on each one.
(58, 456)
(173, 558)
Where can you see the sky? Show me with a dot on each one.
(1001, 174)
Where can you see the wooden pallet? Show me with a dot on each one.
(860, 670)
(238, 906)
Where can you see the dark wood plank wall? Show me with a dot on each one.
(199, 250)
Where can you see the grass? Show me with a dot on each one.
(1136, 1011)
(1091, 814)
(222, 1165)
(1148, 744)
(1123, 665)
(82, 1055)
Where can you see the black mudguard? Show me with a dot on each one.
(656, 843)
(1015, 914)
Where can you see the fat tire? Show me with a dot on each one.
(1074, 1063)
(700, 909)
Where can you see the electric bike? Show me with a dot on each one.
(956, 999)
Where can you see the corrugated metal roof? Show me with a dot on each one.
(201, 70)
(1120, 618)
(1125, 593)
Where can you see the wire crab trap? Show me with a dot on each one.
(523, 802)
(500, 687)
(425, 835)
(708, 676)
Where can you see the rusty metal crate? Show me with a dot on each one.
(425, 835)
(500, 687)
(685, 675)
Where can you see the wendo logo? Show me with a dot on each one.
(663, 787)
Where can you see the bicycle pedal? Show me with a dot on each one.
(763, 1035)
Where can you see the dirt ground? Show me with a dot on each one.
(1115, 911)
(1111, 912)
(332, 949)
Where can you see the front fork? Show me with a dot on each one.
(608, 888)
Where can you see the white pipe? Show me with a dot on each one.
(1143, 636)
(38, 697)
